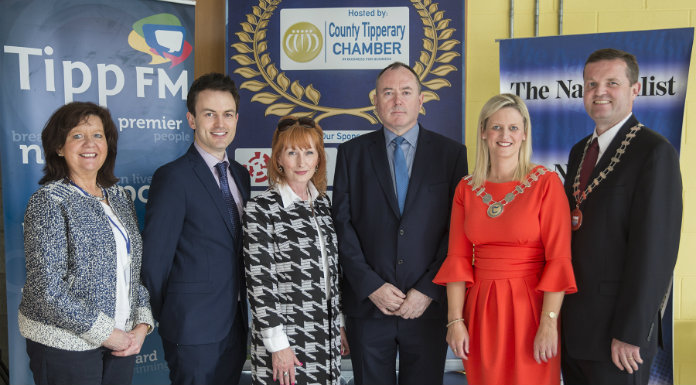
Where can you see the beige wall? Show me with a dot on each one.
(489, 20)
(210, 37)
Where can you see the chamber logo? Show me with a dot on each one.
(302, 42)
(162, 37)
(354, 38)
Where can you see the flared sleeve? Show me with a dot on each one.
(458, 264)
(554, 222)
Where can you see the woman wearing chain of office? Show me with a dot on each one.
(508, 265)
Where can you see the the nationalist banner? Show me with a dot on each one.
(547, 73)
(320, 58)
(134, 57)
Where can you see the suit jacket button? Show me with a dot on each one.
(401, 261)
(401, 232)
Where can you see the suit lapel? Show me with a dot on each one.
(205, 176)
(611, 149)
(239, 182)
(420, 167)
(380, 163)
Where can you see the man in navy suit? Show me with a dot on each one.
(192, 257)
(625, 191)
(391, 211)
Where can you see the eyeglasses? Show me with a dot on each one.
(289, 122)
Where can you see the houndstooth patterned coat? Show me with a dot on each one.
(286, 285)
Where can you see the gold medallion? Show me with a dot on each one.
(495, 209)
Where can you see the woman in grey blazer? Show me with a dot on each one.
(84, 312)
(291, 258)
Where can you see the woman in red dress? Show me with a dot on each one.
(508, 265)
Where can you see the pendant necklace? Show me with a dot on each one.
(580, 196)
(100, 199)
(496, 208)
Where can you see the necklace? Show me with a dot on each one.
(100, 199)
(496, 208)
(580, 196)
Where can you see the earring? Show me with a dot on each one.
(280, 168)
(60, 154)
(316, 168)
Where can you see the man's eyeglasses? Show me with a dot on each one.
(289, 122)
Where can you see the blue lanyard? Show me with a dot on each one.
(123, 234)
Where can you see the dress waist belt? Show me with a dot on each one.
(507, 261)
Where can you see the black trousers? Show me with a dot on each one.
(581, 372)
(51, 366)
(374, 343)
(217, 363)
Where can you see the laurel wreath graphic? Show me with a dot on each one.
(303, 101)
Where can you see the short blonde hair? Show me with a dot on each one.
(297, 132)
(483, 160)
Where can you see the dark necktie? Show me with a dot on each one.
(227, 196)
(400, 173)
(588, 164)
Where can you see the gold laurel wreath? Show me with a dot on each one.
(436, 40)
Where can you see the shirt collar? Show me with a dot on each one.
(605, 139)
(209, 158)
(289, 197)
(411, 136)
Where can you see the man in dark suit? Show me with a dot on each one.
(391, 212)
(192, 258)
(625, 192)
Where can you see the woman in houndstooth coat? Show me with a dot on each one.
(291, 260)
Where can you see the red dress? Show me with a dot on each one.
(507, 263)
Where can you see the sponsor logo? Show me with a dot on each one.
(302, 42)
(257, 166)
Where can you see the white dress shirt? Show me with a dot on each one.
(605, 139)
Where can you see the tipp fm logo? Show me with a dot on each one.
(161, 36)
(302, 42)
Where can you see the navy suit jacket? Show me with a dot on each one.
(376, 243)
(192, 261)
(625, 251)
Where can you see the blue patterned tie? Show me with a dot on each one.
(227, 196)
(400, 173)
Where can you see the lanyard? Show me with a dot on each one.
(123, 234)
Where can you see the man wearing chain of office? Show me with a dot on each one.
(625, 193)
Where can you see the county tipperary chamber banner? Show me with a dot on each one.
(547, 73)
(320, 58)
(134, 57)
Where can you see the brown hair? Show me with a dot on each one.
(56, 132)
(212, 81)
(299, 133)
(613, 54)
